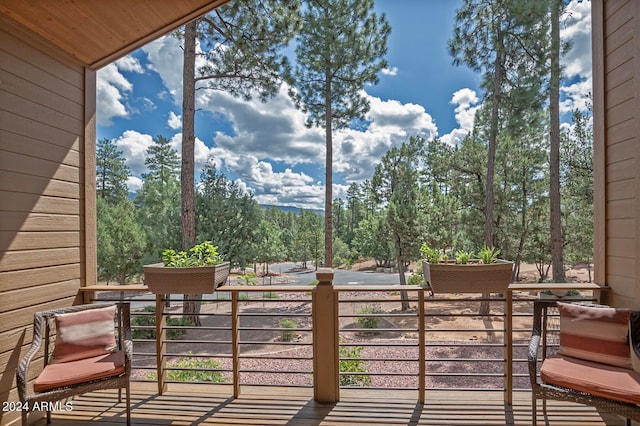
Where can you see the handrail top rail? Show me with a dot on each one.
(265, 288)
(141, 288)
(556, 286)
(136, 288)
(391, 287)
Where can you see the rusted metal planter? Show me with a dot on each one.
(472, 277)
(185, 280)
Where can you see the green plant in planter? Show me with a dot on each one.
(432, 255)
(203, 254)
(463, 256)
(488, 254)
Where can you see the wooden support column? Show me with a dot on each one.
(326, 362)
(161, 346)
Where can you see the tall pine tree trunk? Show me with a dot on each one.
(191, 306)
(328, 191)
(491, 153)
(557, 261)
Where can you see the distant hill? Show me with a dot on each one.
(293, 209)
(296, 210)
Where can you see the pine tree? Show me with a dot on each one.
(158, 199)
(557, 260)
(505, 41)
(396, 181)
(339, 49)
(227, 215)
(242, 43)
(111, 172)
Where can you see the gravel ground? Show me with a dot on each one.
(271, 364)
(277, 368)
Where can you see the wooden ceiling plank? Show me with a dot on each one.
(97, 32)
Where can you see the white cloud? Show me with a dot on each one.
(576, 96)
(274, 130)
(134, 147)
(357, 151)
(393, 71)
(174, 121)
(287, 187)
(200, 155)
(134, 183)
(576, 63)
(576, 26)
(165, 57)
(111, 91)
(129, 63)
(466, 101)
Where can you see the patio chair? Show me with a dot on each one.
(92, 351)
(590, 365)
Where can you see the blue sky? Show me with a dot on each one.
(266, 148)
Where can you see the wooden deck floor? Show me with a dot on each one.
(206, 405)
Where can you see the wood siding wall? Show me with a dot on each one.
(617, 142)
(44, 182)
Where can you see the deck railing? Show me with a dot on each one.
(336, 336)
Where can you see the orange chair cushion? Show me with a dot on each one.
(62, 374)
(607, 381)
(599, 334)
(84, 334)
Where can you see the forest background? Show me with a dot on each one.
(425, 190)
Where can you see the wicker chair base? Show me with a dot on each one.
(41, 331)
(546, 391)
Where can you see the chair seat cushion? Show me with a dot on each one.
(62, 374)
(604, 380)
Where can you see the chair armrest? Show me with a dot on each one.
(126, 340)
(532, 357)
(534, 342)
(540, 308)
(22, 372)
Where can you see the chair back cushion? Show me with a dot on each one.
(84, 334)
(595, 333)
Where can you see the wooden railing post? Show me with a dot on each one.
(508, 324)
(422, 357)
(161, 346)
(326, 362)
(235, 343)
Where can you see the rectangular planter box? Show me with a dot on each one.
(468, 278)
(185, 280)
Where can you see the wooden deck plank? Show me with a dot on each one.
(207, 405)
